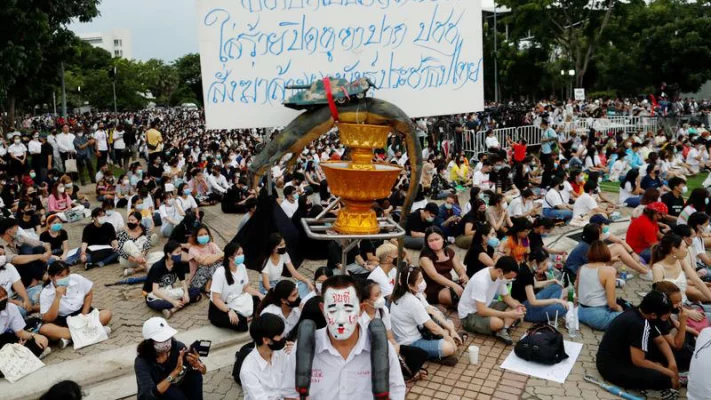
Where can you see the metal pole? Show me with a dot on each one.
(114, 85)
(496, 66)
(64, 92)
(54, 101)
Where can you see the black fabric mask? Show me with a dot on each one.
(295, 303)
(3, 305)
(282, 250)
(277, 345)
(131, 225)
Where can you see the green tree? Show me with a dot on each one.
(189, 79)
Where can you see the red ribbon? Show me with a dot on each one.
(329, 96)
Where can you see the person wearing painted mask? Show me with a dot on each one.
(416, 225)
(412, 315)
(477, 309)
(264, 367)
(133, 245)
(166, 288)
(343, 349)
(56, 237)
(674, 200)
(204, 256)
(98, 233)
(283, 301)
(274, 264)
(164, 367)
(554, 204)
(232, 300)
(12, 328)
(66, 295)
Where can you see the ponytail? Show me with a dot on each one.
(282, 290)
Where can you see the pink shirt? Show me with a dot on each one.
(63, 203)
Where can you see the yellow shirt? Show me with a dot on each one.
(154, 138)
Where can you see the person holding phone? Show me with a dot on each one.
(165, 368)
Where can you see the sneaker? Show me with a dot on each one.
(107, 330)
(45, 352)
(167, 314)
(64, 343)
(449, 361)
(670, 394)
(89, 266)
(619, 283)
(504, 336)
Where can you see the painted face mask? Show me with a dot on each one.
(341, 309)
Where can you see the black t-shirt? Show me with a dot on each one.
(471, 260)
(165, 279)
(368, 246)
(415, 223)
(98, 235)
(674, 204)
(46, 151)
(55, 243)
(523, 279)
(535, 241)
(629, 329)
(28, 225)
(396, 200)
(155, 171)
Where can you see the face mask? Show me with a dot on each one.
(239, 259)
(80, 134)
(277, 345)
(32, 175)
(3, 260)
(17, 141)
(281, 250)
(56, 227)
(429, 219)
(504, 205)
(62, 282)
(561, 187)
(109, 213)
(140, 207)
(186, 192)
(706, 201)
(163, 347)
(296, 197)
(379, 302)
(176, 257)
(493, 242)
(447, 206)
(170, 202)
(318, 285)
(3, 304)
(68, 185)
(139, 172)
(101, 220)
(295, 303)
(204, 239)
(341, 310)
(422, 286)
(506, 281)
(60, 190)
(555, 165)
(131, 225)
(125, 181)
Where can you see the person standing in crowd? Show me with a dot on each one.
(160, 286)
(154, 141)
(165, 368)
(65, 143)
(81, 144)
(263, 369)
(122, 154)
(101, 139)
(17, 153)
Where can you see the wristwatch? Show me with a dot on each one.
(170, 378)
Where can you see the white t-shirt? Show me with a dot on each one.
(518, 207)
(626, 192)
(492, 141)
(480, 289)
(699, 385)
(553, 198)
(567, 189)
(11, 319)
(691, 157)
(72, 301)
(101, 140)
(406, 315)
(381, 313)
(8, 276)
(482, 180)
(262, 380)
(119, 143)
(229, 292)
(699, 248)
(275, 270)
(289, 322)
(17, 150)
(187, 204)
(583, 205)
(386, 282)
(289, 207)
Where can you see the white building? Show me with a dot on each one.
(118, 42)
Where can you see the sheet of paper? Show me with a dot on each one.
(556, 373)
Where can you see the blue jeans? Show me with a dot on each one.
(544, 313)
(633, 201)
(556, 213)
(432, 347)
(112, 258)
(300, 286)
(646, 255)
(160, 305)
(597, 317)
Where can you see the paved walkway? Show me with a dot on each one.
(463, 381)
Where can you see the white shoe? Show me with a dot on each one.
(64, 343)
(647, 276)
(107, 330)
(45, 352)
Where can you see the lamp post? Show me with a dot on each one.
(562, 86)
(496, 67)
(571, 73)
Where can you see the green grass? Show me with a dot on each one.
(692, 183)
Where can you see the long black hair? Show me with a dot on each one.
(275, 295)
(147, 352)
(230, 250)
(407, 276)
(631, 177)
(426, 250)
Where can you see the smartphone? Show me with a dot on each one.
(202, 347)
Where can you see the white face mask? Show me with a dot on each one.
(341, 309)
(60, 190)
(319, 285)
(101, 220)
(422, 286)
(379, 302)
(3, 260)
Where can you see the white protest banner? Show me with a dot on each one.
(579, 94)
(424, 55)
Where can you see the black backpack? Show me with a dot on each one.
(239, 359)
(541, 344)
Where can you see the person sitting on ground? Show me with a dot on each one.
(475, 217)
(112, 217)
(411, 315)
(477, 309)
(644, 232)
(622, 355)
(171, 214)
(630, 191)
(554, 204)
(133, 245)
(56, 237)
(699, 385)
(586, 205)
(205, 256)
(437, 262)
(385, 272)
(524, 205)
(595, 286)
(675, 331)
(124, 191)
(697, 201)
(59, 200)
(482, 252)
(416, 224)
(12, 326)
(273, 267)
(649, 196)
(159, 288)
(699, 223)
(541, 228)
(29, 256)
(165, 368)
(450, 216)
(542, 298)
(290, 203)
(652, 179)
(283, 301)
(232, 300)
(98, 233)
(674, 200)
(516, 243)
(320, 276)
(497, 215)
(66, 295)
(264, 367)
(620, 250)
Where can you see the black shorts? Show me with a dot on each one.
(62, 320)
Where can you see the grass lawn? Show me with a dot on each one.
(692, 183)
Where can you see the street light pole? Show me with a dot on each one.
(114, 86)
(496, 66)
(64, 92)
(562, 86)
(571, 72)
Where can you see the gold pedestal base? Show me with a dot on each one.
(356, 218)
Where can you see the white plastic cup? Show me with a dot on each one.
(473, 355)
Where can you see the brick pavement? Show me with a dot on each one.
(463, 381)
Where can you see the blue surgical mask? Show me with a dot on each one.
(447, 206)
(176, 258)
(493, 242)
(56, 227)
(606, 230)
(239, 259)
(204, 239)
(187, 192)
(62, 282)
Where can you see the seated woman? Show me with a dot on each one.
(481, 254)
(105, 189)
(66, 295)
(78, 199)
(385, 272)
(411, 315)
(630, 190)
(644, 232)
(97, 233)
(28, 220)
(622, 358)
(164, 367)
(112, 216)
(595, 286)
(232, 300)
(372, 307)
(56, 237)
(124, 191)
(274, 264)
(437, 261)
(696, 202)
(263, 369)
(11, 282)
(542, 298)
(320, 276)
(649, 196)
(675, 331)
(524, 206)
(555, 205)
(516, 243)
(59, 200)
(171, 214)
(133, 245)
(13, 331)
(205, 256)
(283, 301)
(497, 216)
(142, 206)
(159, 288)
(475, 217)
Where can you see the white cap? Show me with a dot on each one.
(169, 187)
(157, 328)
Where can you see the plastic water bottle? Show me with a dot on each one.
(623, 273)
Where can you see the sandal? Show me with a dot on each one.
(464, 335)
(420, 375)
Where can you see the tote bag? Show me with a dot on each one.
(70, 165)
(86, 329)
(17, 361)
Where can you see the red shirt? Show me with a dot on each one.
(642, 234)
(519, 152)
